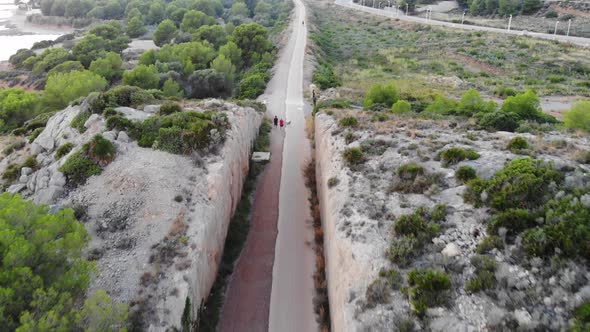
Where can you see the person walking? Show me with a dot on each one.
(282, 123)
(276, 120)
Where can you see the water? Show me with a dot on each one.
(11, 44)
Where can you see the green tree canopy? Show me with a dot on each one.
(62, 88)
(215, 34)
(142, 76)
(135, 27)
(252, 39)
(165, 32)
(156, 13)
(232, 52)
(108, 67)
(381, 94)
(16, 107)
(194, 19)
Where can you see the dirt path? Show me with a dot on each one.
(391, 13)
(247, 300)
(272, 287)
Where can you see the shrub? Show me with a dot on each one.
(401, 107)
(582, 318)
(169, 107)
(63, 150)
(333, 182)
(79, 167)
(472, 103)
(402, 250)
(414, 179)
(353, 156)
(11, 173)
(484, 274)
(578, 116)
(517, 144)
(145, 77)
(551, 14)
(410, 171)
(123, 95)
(35, 133)
(526, 106)
(333, 103)
(454, 155)
(349, 121)
(488, 243)
(465, 173)
(14, 147)
(325, 77)
(101, 150)
(523, 183)
(377, 292)
(499, 121)
(79, 120)
(252, 86)
(566, 228)
(428, 288)
(119, 122)
(63, 88)
(381, 94)
(503, 91)
(393, 278)
(442, 105)
(415, 225)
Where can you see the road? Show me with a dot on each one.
(392, 14)
(272, 286)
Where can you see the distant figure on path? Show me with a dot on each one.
(276, 120)
(315, 98)
(282, 123)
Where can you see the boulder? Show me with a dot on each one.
(48, 195)
(57, 179)
(451, 250)
(123, 137)
(151, 109)
(16, 188)
(110, 135)
(133, 114)
(23, 178)
(523, 317)
(91, 120)
(26, 171)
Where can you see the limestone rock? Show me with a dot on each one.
(133, 114)
(151, 109)
(26, 171)
(123, 137)
(523, 317)
(451, 250)
(16, 188)
(91, 120)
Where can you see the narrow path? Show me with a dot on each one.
(291, 304)
(272, 287)
(574, 40)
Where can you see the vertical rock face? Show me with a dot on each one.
(347, 264)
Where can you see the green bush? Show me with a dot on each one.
(63, 88)
(488, 243)
(498, 121)
(402, 250)
(381, 94)
(145, 77)
(108, 112)
(578, 117)
(101, 150)
(527, 106)
(410, 171)
(455, 155)
(415, 225)
(442, 105)
(14, 147)
(79, 120)
(43, 269)
(123, 95)
(484, 274)
(252, 86)
(566, 228)
(513, 220)
(465, 173)
(414, 179)
(551, 14)
(169, 107)
(401, 107)
(393, 278)
(333, 103)
(428, 288)
(517, 144)
(349, 121)
(353, 156)
(472, 103)
(377, 292)
(79, 167)
(523, 183)
(119, 122)
(325, 77)
(582, 318)
(35, 133)
(503, 91)
(63, 150)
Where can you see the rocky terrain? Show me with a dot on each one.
(158, 220)
(362, 202)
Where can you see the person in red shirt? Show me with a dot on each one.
(282, 123)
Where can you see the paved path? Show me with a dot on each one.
(272, 286)
(392, 14)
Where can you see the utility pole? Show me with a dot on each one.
(555, 31)
(406, 9)
(509, 22)
(569, 24)
(463, 18)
